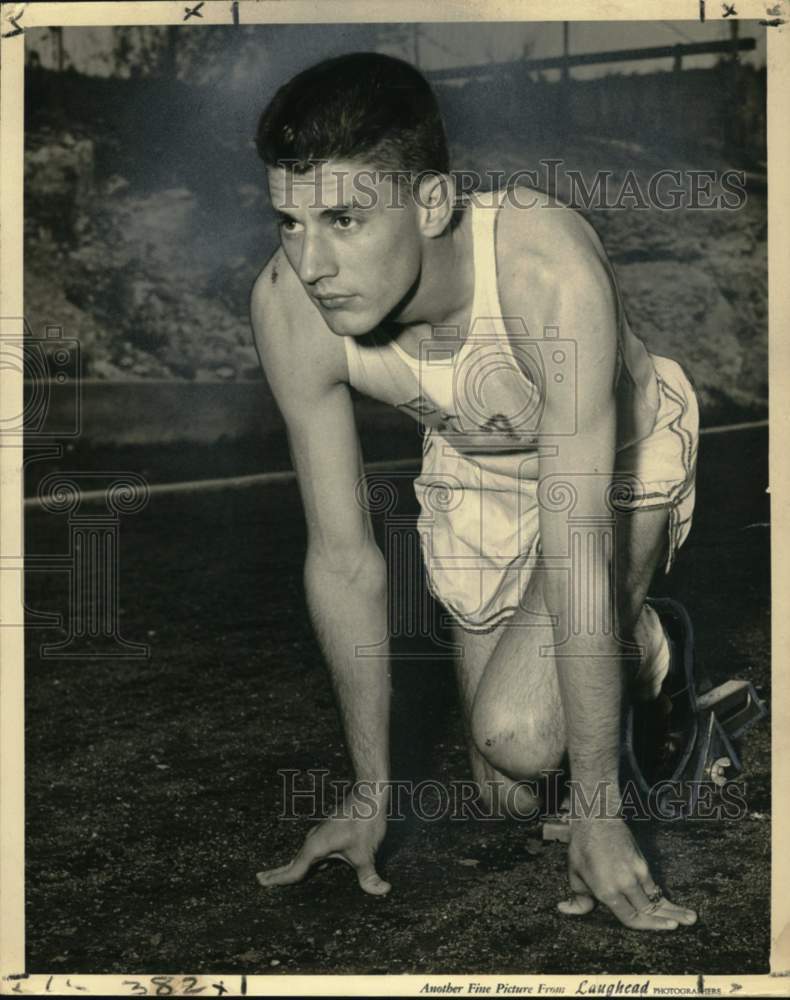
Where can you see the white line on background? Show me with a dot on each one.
(288, 476)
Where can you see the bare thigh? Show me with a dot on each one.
(517, 719)
(499, 792)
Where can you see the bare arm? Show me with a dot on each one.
(345, 573)
(559, 280)
(577, 530)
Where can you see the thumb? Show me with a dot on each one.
(370, 881)
(295, 871)
(581, 901)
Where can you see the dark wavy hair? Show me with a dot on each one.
(365, 107)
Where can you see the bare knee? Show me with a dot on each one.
(518, 745)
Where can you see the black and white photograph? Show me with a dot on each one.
(388, 551)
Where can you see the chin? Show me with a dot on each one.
(351, 326)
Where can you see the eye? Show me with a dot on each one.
(344, 222)
(287, 225)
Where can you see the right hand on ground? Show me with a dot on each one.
(348, 837)
(605, 864)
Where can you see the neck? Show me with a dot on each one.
(445, 287)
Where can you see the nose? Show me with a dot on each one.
(316, 260)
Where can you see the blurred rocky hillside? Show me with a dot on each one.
(133, 274)
(694, 282)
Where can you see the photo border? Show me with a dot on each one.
(16, 16)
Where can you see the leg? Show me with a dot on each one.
(517, 719)
(499, 793)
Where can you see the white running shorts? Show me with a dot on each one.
(479, 528)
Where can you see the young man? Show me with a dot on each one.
(496, 322)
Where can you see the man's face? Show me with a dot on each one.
(352, 237)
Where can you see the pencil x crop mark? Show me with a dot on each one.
(193, 11)
(18, 29)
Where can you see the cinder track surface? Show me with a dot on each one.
(153, 794)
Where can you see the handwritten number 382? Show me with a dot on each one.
(163, 987)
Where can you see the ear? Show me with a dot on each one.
(435, 200)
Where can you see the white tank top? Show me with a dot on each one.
(479, 397)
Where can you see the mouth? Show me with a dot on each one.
(332, 301)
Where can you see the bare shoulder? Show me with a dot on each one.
(546, 250)
(299, 353)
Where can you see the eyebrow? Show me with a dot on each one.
(329, 212)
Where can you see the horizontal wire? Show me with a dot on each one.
(288, 475)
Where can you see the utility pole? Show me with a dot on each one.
(732, 111)
(168, 63)
(57, 38)
(564, 101)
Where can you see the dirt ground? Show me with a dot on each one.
(153, 794)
